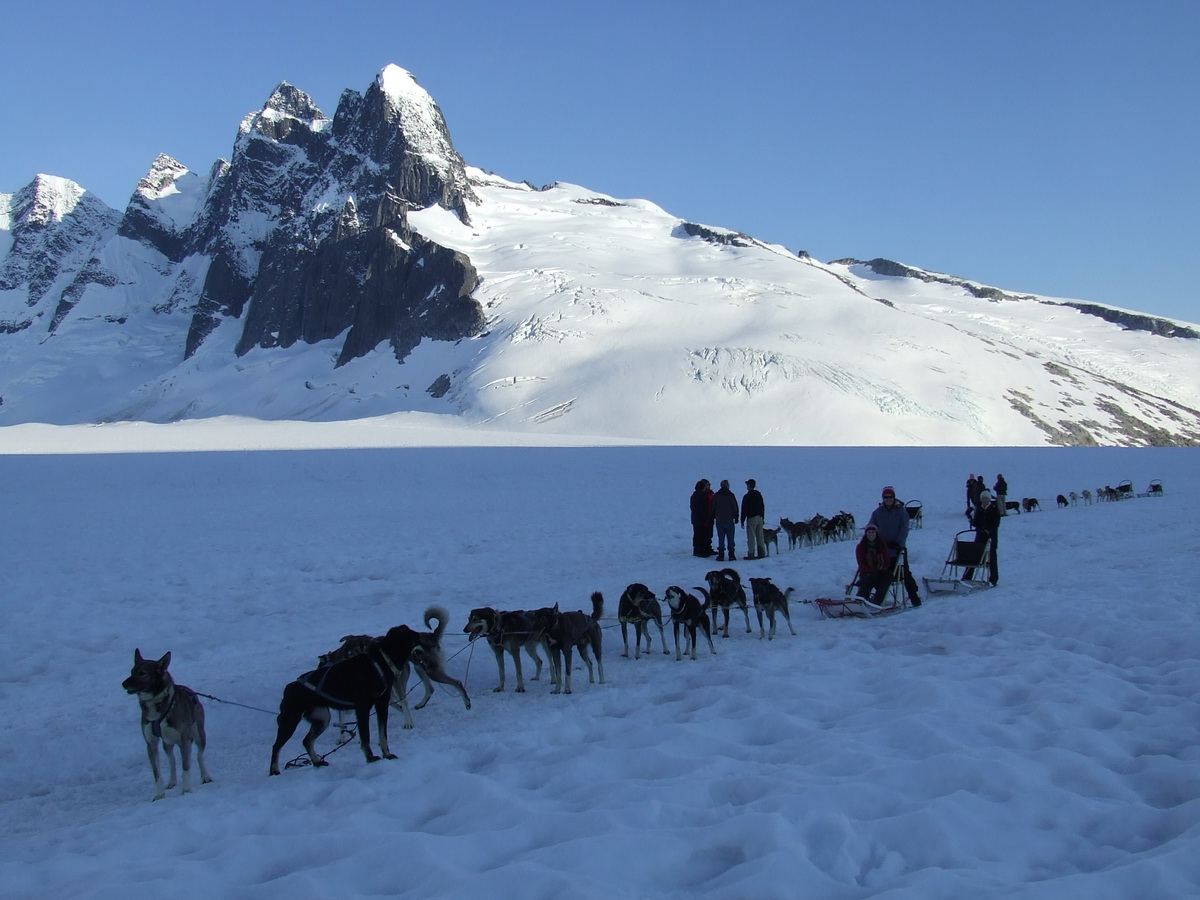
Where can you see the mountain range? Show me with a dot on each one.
(355, 266)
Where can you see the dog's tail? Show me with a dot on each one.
(707, 598)
(443, 619)
(597, 606)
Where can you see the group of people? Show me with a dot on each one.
(976, 487)
(881, 553)
(720, 511)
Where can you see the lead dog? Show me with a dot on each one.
(726, 590)
(506, 632)
(564, 632)
(639, 607)
(771, 600)
(359, 682)
(171, 715)
(688, 615)
(426, 660)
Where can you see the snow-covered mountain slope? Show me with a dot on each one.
(355, 267)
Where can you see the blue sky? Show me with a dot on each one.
(1048, 147)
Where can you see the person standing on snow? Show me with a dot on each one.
(702, 521)
(987, 528)
(753, 513)
(1001, 491)
(891, 518)
(725, 514)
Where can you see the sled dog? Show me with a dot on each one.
(171, 715)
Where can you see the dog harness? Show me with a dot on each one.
(319, 687)
(171, 691)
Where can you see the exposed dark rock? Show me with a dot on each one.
(440, 387)
(1136, 321)
(720, 236)
(892, 269)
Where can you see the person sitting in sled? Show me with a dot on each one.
(875, 563)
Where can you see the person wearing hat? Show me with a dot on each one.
(891, 518)
(1000, 489)
(875, 564)
(702, 519)
(725, 514)
(753, 512)
(987, 527)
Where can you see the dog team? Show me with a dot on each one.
(365, 673)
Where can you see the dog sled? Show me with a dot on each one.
(1154, 490)
(966, 554)
(915, 515)
(853, 605)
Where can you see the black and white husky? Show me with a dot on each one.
(769, 599)
(639, 607)
(726, 590)
(171, 715)
(688, 615)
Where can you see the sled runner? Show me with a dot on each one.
(915, 517)
(965, 553)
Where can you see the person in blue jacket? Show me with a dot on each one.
(891, 518)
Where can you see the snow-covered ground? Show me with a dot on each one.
(1036, 740)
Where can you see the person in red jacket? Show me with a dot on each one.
(875, 565)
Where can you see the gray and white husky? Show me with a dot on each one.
(171, 715)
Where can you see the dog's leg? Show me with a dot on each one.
(761, 631)
(362, 716)
(568, 653)
(499, 651)
(169, 750)
(381, 718)
(185, 759)
(678, 654)
(287, 720)
(598, 650)
(637, 631)
(423, 673)
(201, 743)
(318, 721)
(708, 636)
(692, 636)
(400, 694)
(152, 753)
(662, 637)
(532, 649)
(442, 677)
(587, 659)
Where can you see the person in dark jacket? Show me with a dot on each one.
(754, 510)
(702, 519)
(725, 515)
(891, 518)
(987, 527)
(875, 563)
(1000, 489)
